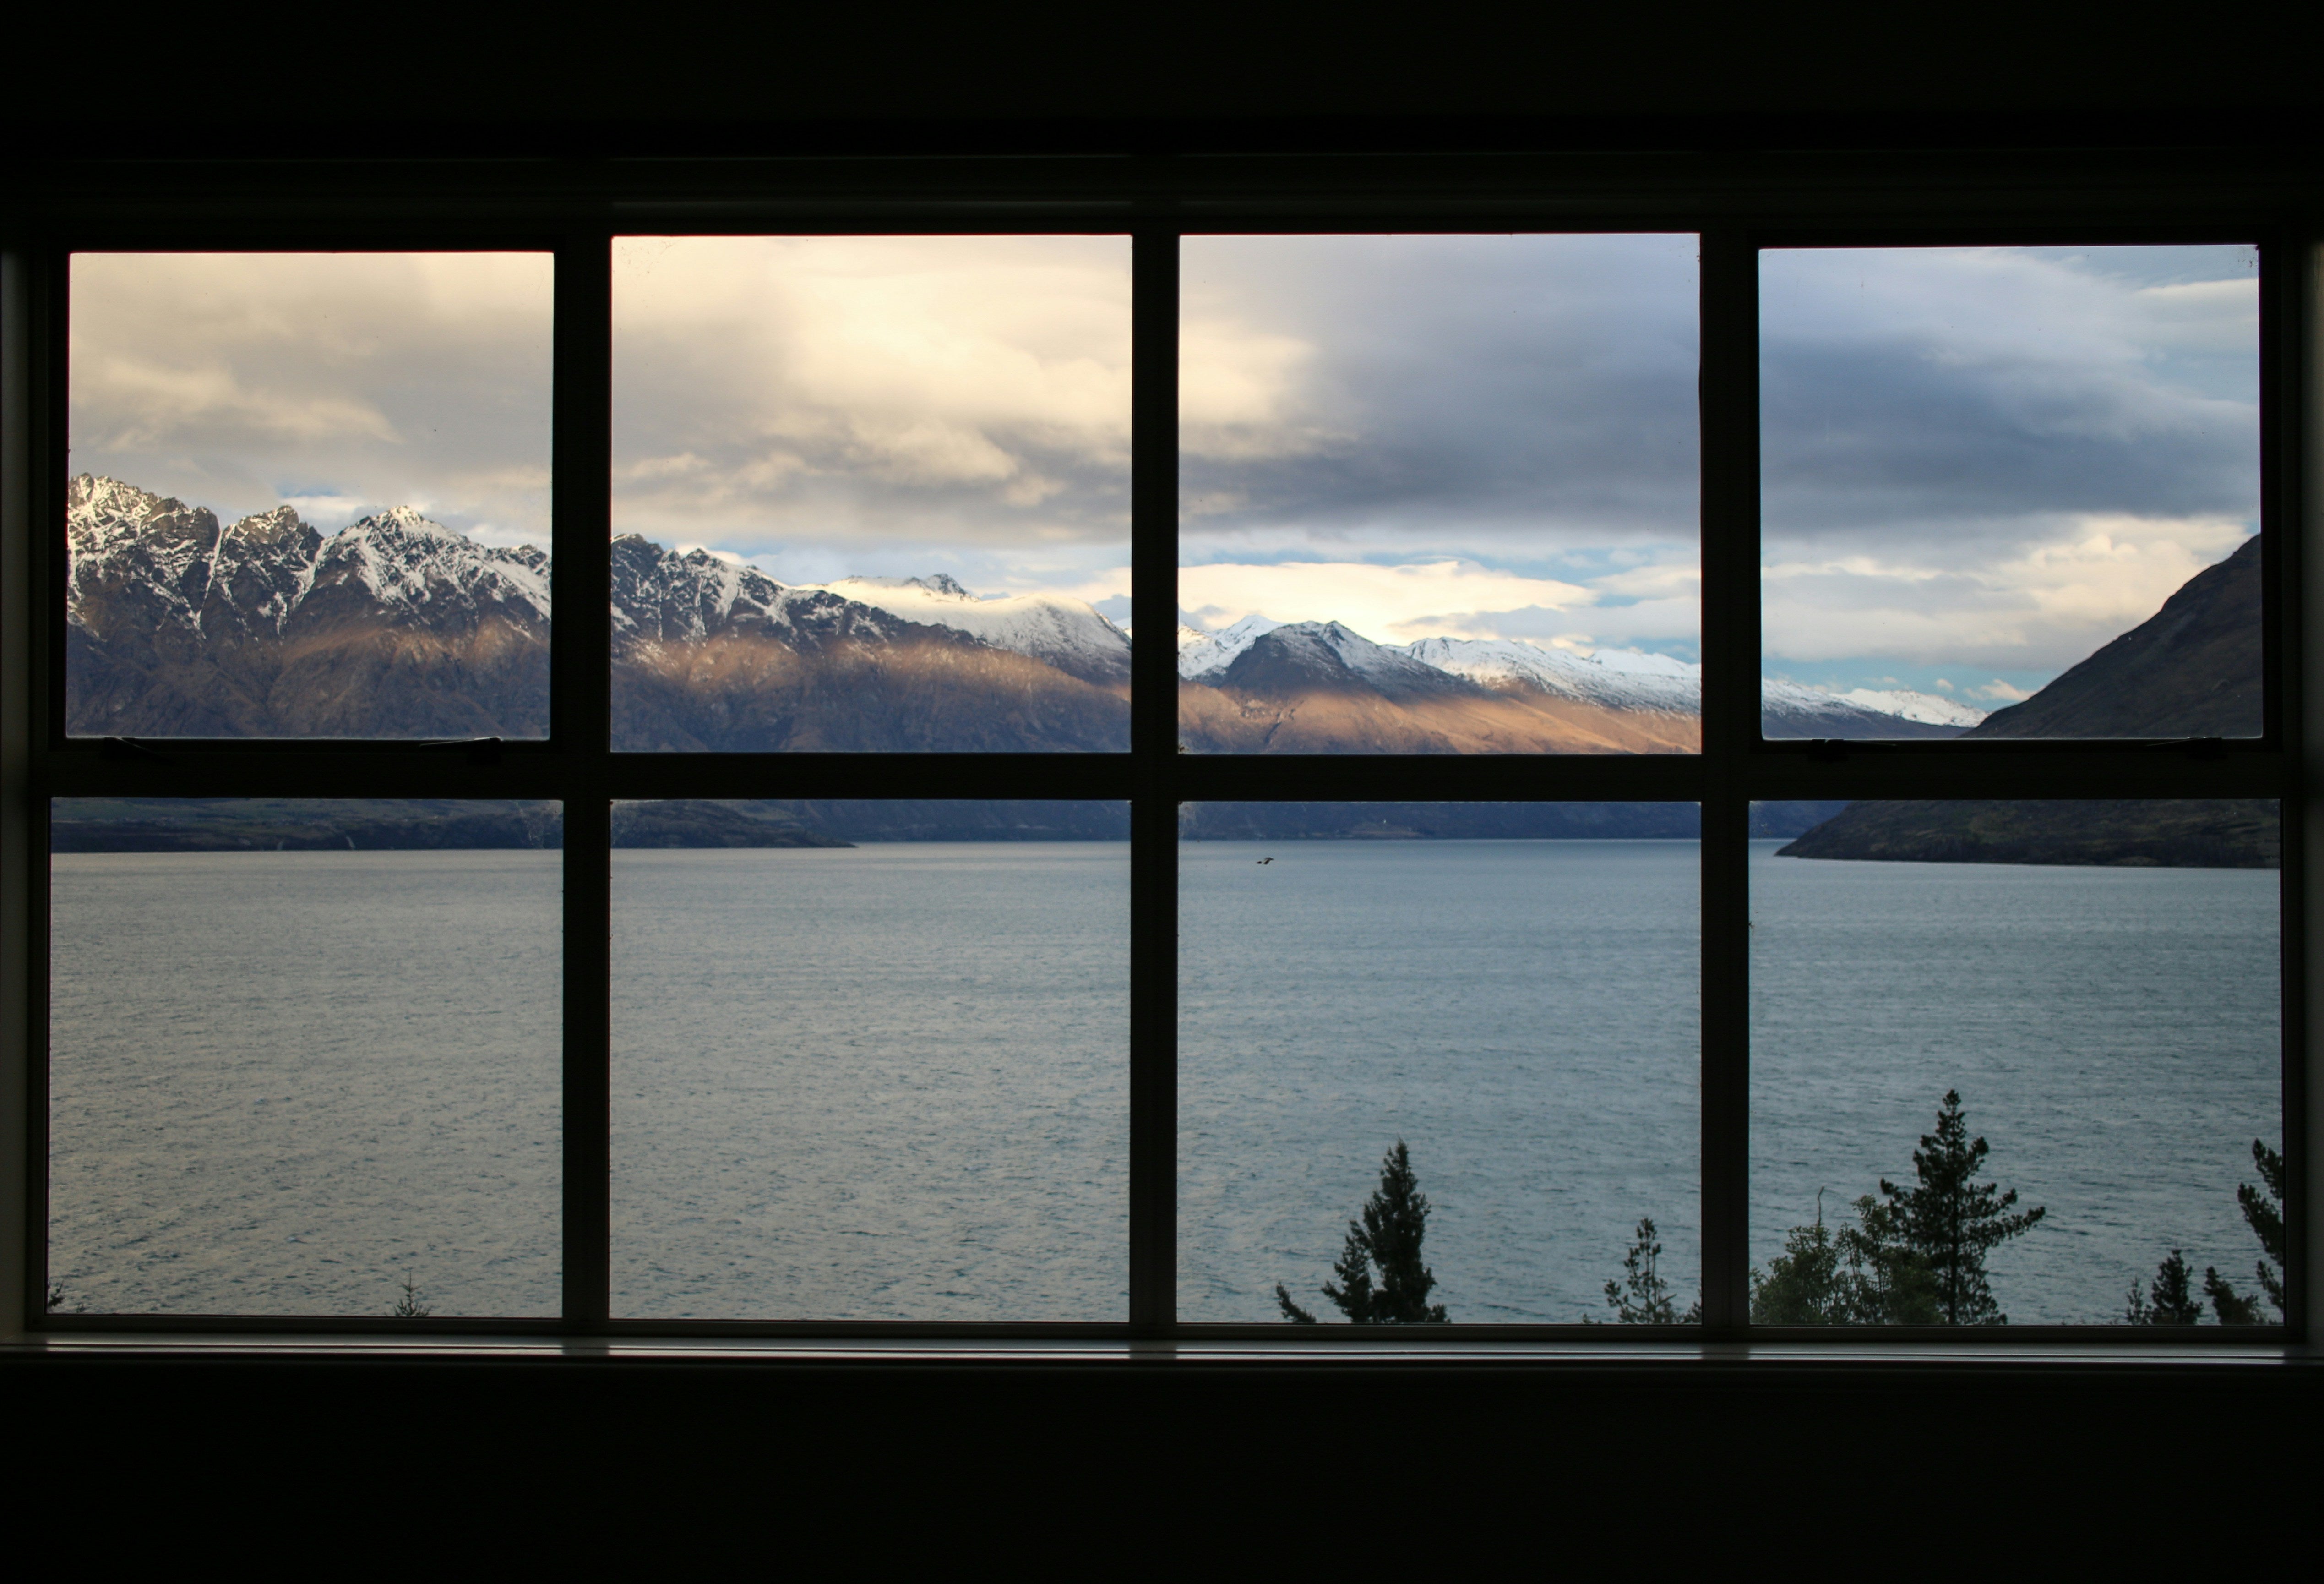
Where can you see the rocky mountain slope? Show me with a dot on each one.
(393, 627)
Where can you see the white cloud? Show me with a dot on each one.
(2044, 606)
(336, 383)
(1997, 689)
(945, 390)
(1387, 604)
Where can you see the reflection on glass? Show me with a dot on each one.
(303, 1057)
(1499, 1002)
(871, 1060)
(2076, 1003)
(1438, 495)
(310, 495)
(2010, 492)
(872, 494)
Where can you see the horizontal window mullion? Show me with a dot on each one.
(869, 775)
(226, 773)
(1431, 778)
(2057, 771)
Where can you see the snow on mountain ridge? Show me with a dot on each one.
(1063, 632)
(1201, 653)
(1928, 708)
(1611, 679)
(267, 565)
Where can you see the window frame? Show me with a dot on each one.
(1736, 210)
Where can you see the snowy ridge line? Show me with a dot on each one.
(1620, 680)
(265, 567)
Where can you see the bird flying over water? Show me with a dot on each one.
(1267, 860)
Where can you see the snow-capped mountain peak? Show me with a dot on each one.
(1201, 653)
(1068, 633)
(1929, 708)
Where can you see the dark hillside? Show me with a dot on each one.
(2187, 833)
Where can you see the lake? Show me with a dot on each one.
(889, 1082)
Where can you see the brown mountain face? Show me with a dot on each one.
(2192, 670)
(1317, 689)
(929, 692)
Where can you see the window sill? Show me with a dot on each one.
(1718, 1357)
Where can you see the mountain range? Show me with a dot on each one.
(397, 626)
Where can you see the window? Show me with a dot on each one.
(955, 481)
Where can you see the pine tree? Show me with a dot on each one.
(2174, 1302)
(2232, 1307)
(1804, 1285)
(2263, 1213)
(1642, 1297)
(1950, 1222)
(1387, 1241)
(409, 1307)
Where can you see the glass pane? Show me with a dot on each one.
(2093, 986)
(871, 1060)
(2010, 492)
(872, 494)
(303, 1057)
(310, 495)
(1506, 993)
(1438, 495)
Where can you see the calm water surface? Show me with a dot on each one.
(281, 1083)
(891, 1081)
(887, 1082)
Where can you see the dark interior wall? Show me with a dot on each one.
(1209, 73)
(1126, 1468)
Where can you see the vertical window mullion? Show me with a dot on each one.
(1154, 810)
(1731, 733)
(581, 652)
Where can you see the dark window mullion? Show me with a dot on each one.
(581, 664)
(1154, 810)
(1730, 737)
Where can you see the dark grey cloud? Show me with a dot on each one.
(1461, 390)
(1996, 391)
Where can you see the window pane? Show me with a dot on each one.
(2099, 984)
(310, 495)
(1506, 991)
(1438, 495)
(871, 1060)
(2010, 492)
(872, 494)
(303, 1057)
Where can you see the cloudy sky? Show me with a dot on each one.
(1982, 465)
(889, 406)
(1482, 436)
(341, 383)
